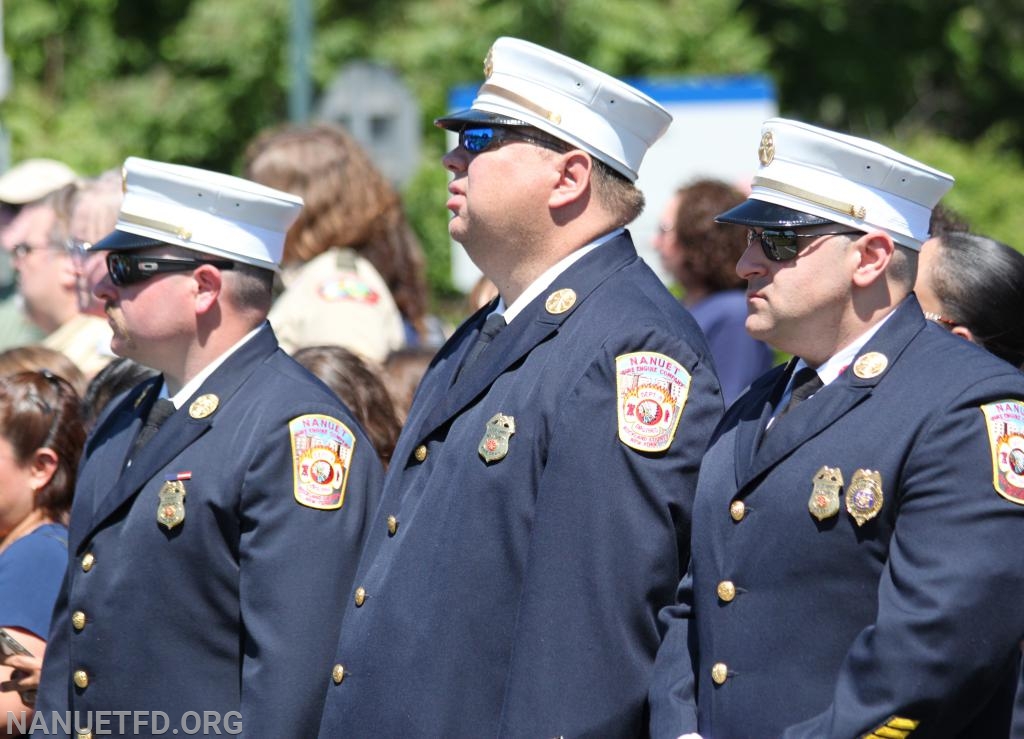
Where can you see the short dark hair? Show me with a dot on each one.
(119, 376)
(977, 280)
(617, 194)
(39, 410)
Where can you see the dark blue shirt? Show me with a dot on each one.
(738, 358)
(31, 570)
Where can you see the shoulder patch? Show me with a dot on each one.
(322, 449)
(651, 391)
(1004, 422)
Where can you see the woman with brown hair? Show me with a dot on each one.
(353, 270)
(701, 256)
(41, 439)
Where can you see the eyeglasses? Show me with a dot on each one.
(479, 140)
(22, 250)
(79, 249)
(127, 269)
(781, 246)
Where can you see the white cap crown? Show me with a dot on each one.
(205, 211)
(527, 84)
(848, 180)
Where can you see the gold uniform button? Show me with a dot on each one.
(81, 679)
(360, 597)
(726, 590)
(78, 620)
(719, 672)
(88, 561)
(421, 453)
(392, 525)
(737, 510)
(84, 735)
(338, 674)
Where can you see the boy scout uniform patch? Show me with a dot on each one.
(1005, 424)
(322, 456)
(347, 286)
(651, 392)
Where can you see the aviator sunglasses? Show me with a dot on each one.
(781, 246)
(127, 269)
(484, 138)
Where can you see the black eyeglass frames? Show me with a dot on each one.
(128, 269)
(782, 246)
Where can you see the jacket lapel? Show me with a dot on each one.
(174, 436)
(750, 427)
(529, 329)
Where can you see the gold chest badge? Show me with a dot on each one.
(494, 446)
(170, 511)
(864, 497)
(824, 501)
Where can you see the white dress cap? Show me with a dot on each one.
(529, 85)
(204, 211)
(842, 179)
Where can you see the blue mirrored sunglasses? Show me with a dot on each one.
(477, 140)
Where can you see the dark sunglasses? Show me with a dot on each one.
(781, 246)
(479, 140)
(127, 269)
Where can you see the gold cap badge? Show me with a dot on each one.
(766, 149)
(560, 301)
(203, 406)
(870, 365)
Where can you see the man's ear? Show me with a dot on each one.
(964, 332)
(874, 251)
(209, 283)
(575, 170)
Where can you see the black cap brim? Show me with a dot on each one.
(124, 241)
(768, 215)
(457, 121)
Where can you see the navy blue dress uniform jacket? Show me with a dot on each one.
(905, 626)
(232, 609)
(520, 597)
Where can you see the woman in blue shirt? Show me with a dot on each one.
(41, 439)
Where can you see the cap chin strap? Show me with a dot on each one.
(857, 211)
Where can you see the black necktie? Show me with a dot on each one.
(160, 412)
(494, 323)
(805, 384)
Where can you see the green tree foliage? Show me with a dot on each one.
(193, 81)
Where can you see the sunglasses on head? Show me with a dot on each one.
(127, 269)
(781, 246)
(484, 138)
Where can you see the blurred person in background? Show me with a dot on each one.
(361, 389)
(36, 357)
(974, 286)
(41, 438)
(24, 183)
(701, 257)
(92, 215)
(353, 270)
(48, 282)
(403, 371)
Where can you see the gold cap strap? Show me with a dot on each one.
(857, 211)
(519, 100)
(180, 231)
